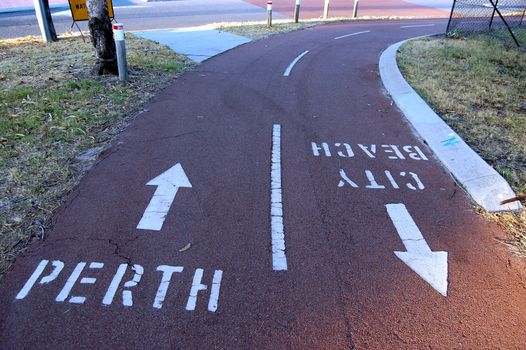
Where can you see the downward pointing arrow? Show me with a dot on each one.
(167, 185)
(431, 266)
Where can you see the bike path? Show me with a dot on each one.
(319, 161)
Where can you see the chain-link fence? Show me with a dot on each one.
(500, 18)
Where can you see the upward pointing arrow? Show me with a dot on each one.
(167, 185)
(431, 266)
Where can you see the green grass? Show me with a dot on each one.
(478, 85)
(51, 110)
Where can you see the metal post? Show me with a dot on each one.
(451, 16)
(493, 14)
(355, 10)
(505, 22)
(42, 21)
(326, 9)
(120, 45)
(269, 14)
(297, 11)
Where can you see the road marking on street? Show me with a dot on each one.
(418, 26)
(167, 185)
(431, 266)
(345, 150)
(291, 65)
(127, 289)
(410, 179)
(352, 34)
(279, 260)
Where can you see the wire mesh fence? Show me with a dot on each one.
(504, 19)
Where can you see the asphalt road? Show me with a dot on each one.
(319, 161)
(137, 15)
(143, 16)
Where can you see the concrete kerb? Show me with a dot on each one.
(485, 186)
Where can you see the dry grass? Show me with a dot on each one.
(256, 30)
(52, 111)
(478, 86)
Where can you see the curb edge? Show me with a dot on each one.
(485, 186)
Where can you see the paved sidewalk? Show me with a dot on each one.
(197, 43)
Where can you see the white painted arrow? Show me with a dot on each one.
(167, 185)
(431, 266)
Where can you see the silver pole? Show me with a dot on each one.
(355, 10)
(42, 20)
(297, 11)
(120, 46)
(269, 14)
(326, 10)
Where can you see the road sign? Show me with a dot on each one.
(79, 10)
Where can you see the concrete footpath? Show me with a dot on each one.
(197, 43)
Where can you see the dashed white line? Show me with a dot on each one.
(418, 26)
(352, 34)
(279, 259)
(289, 68)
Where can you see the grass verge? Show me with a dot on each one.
(258, 29)
(478, 86)
(55, 119)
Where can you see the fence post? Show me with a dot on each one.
(42, 21)
(493, 14)
(505, 23)
(355, 10)
(269, 14)
(451, 16)
(326, 9)
(297, 11)
(120, 46)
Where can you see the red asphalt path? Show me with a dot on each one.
(344, 287)
(344, 8)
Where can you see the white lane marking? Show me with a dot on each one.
(431, 266)
(279, 260)
(418, 26)
(352, 34)
(291, 65)
(214, 293)
(167, 185)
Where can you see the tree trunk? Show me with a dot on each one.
(102, 38)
